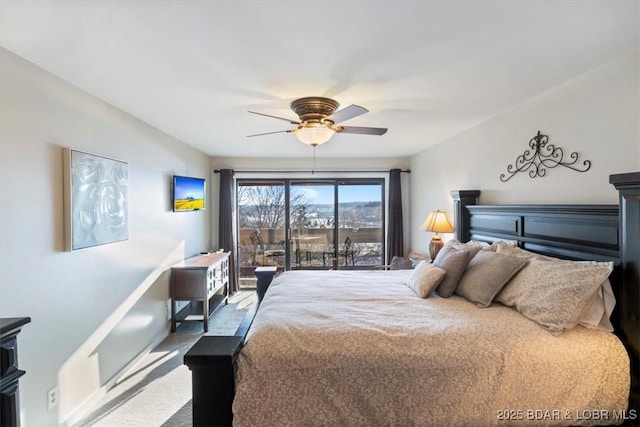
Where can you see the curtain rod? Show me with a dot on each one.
(313, 171)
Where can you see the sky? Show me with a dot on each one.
(323, 194)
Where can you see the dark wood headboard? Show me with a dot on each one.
(575, 232)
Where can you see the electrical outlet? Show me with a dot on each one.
(52, 398)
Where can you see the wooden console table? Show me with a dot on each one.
(203, 280)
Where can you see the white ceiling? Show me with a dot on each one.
(427, 70)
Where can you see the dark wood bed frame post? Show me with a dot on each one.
(212, 361)
(462, 199)
(628, 186)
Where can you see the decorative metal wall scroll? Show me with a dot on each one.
(542, 157)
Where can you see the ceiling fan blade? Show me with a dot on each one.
(270, 133)
(293, 122)
(362, 130)
(347, 113)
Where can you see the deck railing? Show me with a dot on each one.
(310, 248)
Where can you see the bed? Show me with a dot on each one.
(362, 348)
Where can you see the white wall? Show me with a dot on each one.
(596, 115)
(94, 310)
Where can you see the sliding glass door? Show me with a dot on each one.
(262, 215)
(360, 223)
(310, 224)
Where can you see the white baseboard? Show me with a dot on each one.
(90, 402)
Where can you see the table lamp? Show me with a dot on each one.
(437, 222)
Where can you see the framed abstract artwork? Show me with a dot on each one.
(96, 207)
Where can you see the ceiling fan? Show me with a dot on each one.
(319, 120)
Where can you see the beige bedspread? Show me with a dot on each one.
(356, 348)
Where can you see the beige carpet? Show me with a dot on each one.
(157, 392)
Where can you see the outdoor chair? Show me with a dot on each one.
(262, 254)
(346, 252)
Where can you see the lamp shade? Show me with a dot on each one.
(437, 222)
(314, 133)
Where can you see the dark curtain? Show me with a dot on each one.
(395, 241)
(225, 224)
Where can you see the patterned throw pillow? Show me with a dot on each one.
(554, 294)
(425, 278)
(503, 248)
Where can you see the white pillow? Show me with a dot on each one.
(425, 278)
(597, 313)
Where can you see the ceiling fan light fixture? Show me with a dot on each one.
(314, 133)
(320, 119)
